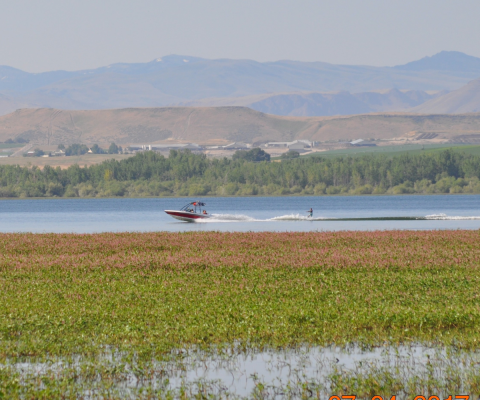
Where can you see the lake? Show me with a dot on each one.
(330, 213)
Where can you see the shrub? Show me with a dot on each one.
(256, 154)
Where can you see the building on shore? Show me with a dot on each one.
(230, 146)
(165, 147)
(362, 143)
(297, 145)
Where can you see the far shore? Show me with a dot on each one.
(243, 196)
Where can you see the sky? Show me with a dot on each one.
(45, 35)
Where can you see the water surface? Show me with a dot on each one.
(331, 213)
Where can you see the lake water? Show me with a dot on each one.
(244, 214)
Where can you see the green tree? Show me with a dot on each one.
(255, 154)
(184, 173)
(76, 149)
(96, 149)
(290, 154)
(113, 149)
(38, 152)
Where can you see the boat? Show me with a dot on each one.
(190, 212)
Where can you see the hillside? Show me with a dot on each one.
(464, 100)
(220, 125)
(173, 80)
(325, 104)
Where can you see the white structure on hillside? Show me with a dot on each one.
(230, 146)
(354, 142)
(297, 145)
(362, 143)
(165, 147)
(235, 146)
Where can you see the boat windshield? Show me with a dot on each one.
(194, 207)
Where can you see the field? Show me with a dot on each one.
(396, 150)
(11, 145)
(147, 296)
(62, 162)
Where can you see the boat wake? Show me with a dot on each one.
(445, 217)
(230, 218)
(246, 218)
(296, 217)
(299, 217)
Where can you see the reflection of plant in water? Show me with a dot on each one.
(196, 373)
(439, 375)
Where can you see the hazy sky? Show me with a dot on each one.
(42, 35)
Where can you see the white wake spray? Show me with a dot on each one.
(445, 217)
(295, 217)
(300, 217)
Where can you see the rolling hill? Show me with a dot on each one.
(173, 80)
(221, 125)
(464, 100)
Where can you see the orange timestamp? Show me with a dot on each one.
(353, 397)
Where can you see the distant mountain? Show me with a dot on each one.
(312, 104)
(451, 61)
(464, 100)
(15, 80)
(173, 80)
(339, 103)
(325, 104)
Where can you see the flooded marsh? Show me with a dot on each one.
(159, 315)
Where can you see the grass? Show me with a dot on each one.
(62, 162)
(391, 151)
(146, 294)
(11, 145)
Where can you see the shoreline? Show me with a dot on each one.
(243, 196)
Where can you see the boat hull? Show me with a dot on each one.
(186, 216)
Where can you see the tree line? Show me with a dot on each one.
(77, 149)
(184, 173)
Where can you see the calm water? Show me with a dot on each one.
(244, 214)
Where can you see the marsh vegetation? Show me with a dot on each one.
(90, 313)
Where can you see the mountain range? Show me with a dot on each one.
(282, 87)
(326, 104)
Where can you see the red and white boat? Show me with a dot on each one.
(190, 213)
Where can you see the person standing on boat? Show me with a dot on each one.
(310, 213)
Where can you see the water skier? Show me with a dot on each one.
(310, 213)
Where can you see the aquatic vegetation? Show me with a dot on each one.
(145, 295)
(61, 291)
